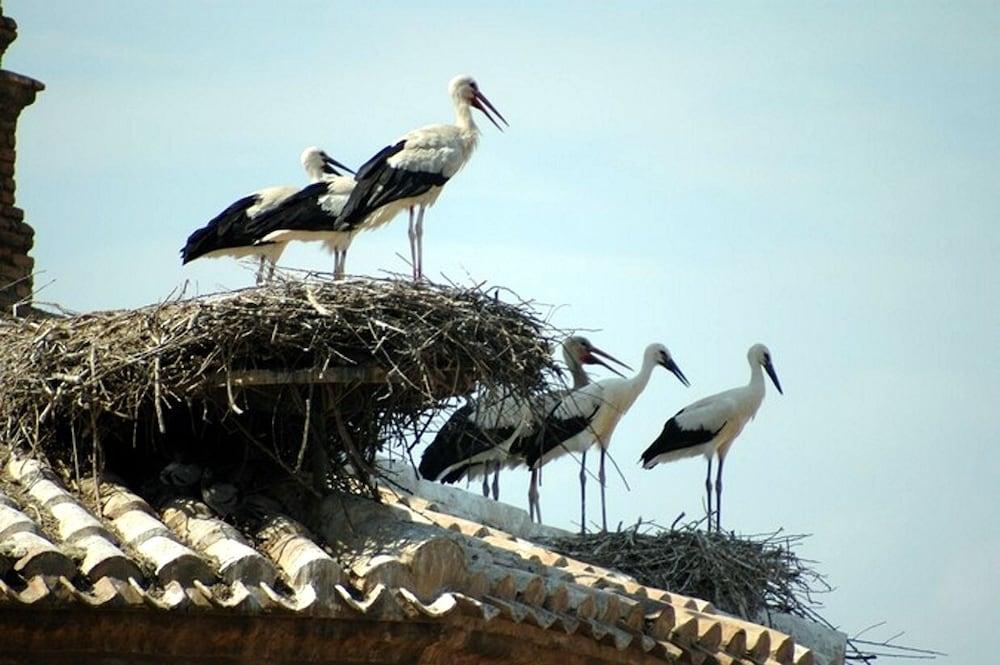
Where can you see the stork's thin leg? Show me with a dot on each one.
(420, 241)
(270, 269)
(260, 271)
(708, 492)
(533, 509)
(601, 478)
(538, 502)
(718, 496)
(343, 264)
(486, 482)
(583, 492)
(496, 482)
(413, 246)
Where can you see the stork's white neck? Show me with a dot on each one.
(580, 378)
(463, 116)
(755, 388)
(640, 380)
(314, 171)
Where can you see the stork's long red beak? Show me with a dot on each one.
(593, 359)
(478, 100)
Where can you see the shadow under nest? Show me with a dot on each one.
(301, 382)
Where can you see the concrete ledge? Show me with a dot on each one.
(469, 505)
(828, 646)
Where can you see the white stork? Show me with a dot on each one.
(229, 232)
(410, 173)
(589, 415)
(310, 214)
(477, 437)
(710, 426)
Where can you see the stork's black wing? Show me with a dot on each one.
(380, 184)
(459, 440)
(226, 230)
(674, 437)
(299, 212)
(551, 433)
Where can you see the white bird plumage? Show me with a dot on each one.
(709, 426)
(410, 173)
(590, 415)
(232, 232)
(477, 438)
(311, 214)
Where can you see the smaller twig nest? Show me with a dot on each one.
(742, 575)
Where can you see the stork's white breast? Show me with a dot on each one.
(440, 149)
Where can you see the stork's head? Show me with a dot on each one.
(464, 90)
(760, 355)
(660, 355)
(578, 349)
(316, 161)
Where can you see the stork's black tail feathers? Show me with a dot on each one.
(459, 439)
(224, 231)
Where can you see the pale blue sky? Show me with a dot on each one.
(822, 177)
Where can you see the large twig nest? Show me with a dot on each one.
(354, 365)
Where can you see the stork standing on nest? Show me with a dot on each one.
(229, 234)
(589, 415)
(710, 426)
(310, 214)
(410, 173)
(476, 438)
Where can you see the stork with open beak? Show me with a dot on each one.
(410, 173)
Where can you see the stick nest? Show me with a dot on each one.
(741, 575)
(308, 375)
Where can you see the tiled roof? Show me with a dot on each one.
(399, 561)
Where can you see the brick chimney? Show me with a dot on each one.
(16, 237)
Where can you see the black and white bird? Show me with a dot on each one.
(710, 426)
(230, 234)
(475, 440)
(311, 214)
(410, 173)
(589, 415)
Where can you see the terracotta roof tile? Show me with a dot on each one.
(398, 561)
